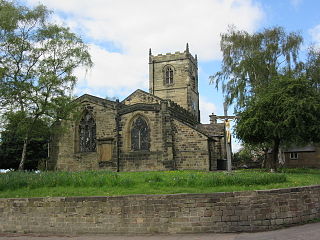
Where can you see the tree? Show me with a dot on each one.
(258, 72)
(37, 66)
(250, 154)
(286, 112)
(251, 61)
(11, 143)
(311, 66)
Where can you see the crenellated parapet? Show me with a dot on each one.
(173, 57)
(181, 113)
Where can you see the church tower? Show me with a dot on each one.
(174, 76)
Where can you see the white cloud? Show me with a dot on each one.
(315, 35)
(206, 109)
(236, 145)
(163, 25)
(121, 31)
(116, 70)
(296, 3)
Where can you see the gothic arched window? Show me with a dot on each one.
(139, 135)
(169, 75)
(87, 133)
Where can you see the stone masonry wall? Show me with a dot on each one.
(184, 69)
(190, 147)
(159, 156)
(70, 159)
(177, 213)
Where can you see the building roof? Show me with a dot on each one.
(212, 130)
(142, 92)
(308, 148)
(95, 99)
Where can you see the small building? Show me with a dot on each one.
(158, 130)
(302, 157)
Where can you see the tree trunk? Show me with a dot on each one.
(276, 144)
(265, 158)
(25, 144)
(24, 153)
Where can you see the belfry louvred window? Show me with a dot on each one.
(87, 133)
(139, 135)
(169, 75)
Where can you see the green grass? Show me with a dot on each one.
(103, 183)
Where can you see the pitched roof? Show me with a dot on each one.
(308, 148)
(211, 130)
(95, 99)
(141, 92)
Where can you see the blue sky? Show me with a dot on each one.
(120, 33)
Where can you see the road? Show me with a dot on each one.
(305, 232)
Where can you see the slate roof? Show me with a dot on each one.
(211, 130)
(308, 148)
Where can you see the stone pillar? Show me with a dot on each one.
(213, 118)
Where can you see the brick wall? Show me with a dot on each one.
(177, 213)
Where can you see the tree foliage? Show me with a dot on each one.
(287, 112)
(11, 142)
(252, 61)
(251, 156)
(312, 67)
(37, 64)
(276, 94)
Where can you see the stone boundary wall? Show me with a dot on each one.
(177, 213)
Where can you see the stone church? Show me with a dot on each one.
(155, 130)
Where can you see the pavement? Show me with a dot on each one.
(305, 232)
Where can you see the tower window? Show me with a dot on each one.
(87, 133)
(139, 135)
(169, 75)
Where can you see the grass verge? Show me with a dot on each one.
(103, 183)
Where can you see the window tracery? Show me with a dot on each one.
(139, 135)
(87, 133)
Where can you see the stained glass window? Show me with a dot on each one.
(87, 133)
(169, 75)
(139, 135)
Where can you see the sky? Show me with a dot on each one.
(119, 34)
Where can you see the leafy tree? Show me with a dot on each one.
(11, 143)
(286, 112)
(37, 62)
(248, 154)
(311, 66)
(252, 61)
(275, 93)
